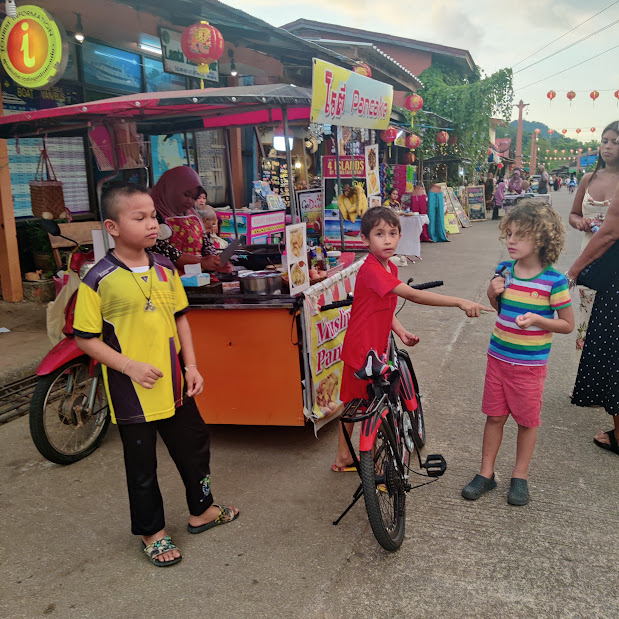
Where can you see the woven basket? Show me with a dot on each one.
(46, 196)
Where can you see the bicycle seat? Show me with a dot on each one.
(373, 368)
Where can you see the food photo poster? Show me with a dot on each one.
(296, 252)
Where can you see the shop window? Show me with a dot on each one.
(159, 81)
(167, 152)
(108, 67)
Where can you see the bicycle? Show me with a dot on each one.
(392, 429)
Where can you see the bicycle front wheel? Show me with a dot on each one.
(383, 490)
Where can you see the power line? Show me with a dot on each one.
(570, 46)
(572, 67)
(565, 34)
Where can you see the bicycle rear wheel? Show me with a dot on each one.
(383, 490)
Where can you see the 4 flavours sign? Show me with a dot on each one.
(33, 47)
(342, 97)
(175, 61)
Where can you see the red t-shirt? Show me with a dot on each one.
(372, 312)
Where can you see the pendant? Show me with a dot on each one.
(149, 307)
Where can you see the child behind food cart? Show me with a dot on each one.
(130, 316)
(372, 319)
(211, 227)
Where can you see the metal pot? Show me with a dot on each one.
(261, 282)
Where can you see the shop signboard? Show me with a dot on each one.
(476, 202)
(451, 224)
(311, 211)
(33, 47)
(175, 61)
(341, 97)
(329, 167)
(17, 98)
(296, 252)
(371, 171)
(108, 67)
(326, 333)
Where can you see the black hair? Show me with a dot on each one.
(110, 199)
(374, 216)
(614, 126)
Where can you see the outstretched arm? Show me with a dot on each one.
(423, 297)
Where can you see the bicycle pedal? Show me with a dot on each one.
(435, 465)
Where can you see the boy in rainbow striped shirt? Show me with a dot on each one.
(526, 292)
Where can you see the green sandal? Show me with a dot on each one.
(159, 547)
(226, 515)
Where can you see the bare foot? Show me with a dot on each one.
(602, 437)
(208, 516)
(166, 556)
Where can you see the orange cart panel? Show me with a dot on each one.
(251, 368)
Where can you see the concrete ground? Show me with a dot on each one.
(67, 551)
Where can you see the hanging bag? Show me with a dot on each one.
(603, 272)
(46, 195)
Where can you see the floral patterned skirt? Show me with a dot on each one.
(587, 297)
(597, 383)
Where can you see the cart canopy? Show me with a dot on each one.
(168, 112)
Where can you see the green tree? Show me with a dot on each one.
(468, 103)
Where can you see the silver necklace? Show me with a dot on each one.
(149, 307)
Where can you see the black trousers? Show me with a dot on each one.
(187, 439)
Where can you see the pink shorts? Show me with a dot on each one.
(516, 390)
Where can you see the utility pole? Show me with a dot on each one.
(533, 163)
(521, 105)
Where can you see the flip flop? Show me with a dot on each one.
(226, 515)
(614, 446)
(157, 548)
(349, 468)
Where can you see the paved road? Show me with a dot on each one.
(67, 552)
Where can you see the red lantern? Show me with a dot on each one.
(555, 151)
(453, 140)
(571, 150)
(413, 103)
(389, 135)
(592, 130)
(570, 95)
(500, 166)
(202, 44)
(442, 137)
(412, 141)
(538, 131)
(551, 131)
(617, 96)
(594, 95)
(362, 69)
(551, 94)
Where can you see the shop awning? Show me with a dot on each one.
(169, 112)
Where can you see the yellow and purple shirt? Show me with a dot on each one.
(543, 294)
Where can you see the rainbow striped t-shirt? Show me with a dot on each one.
(543, 294)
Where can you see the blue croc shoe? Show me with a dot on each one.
(518, 492)
(480, 485)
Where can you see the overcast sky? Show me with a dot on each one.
(497, 37)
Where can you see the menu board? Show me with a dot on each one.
(296, 252)
(476, 202)
(371, 170)
(275, 173)
(453, 205)
(67, 157)
(311, 211)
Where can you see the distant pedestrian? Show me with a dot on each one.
(556, 183)
(526, 292)
(515, 183)
(130, 316)
(499, 194)
(544, 180)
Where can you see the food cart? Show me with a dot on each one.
(257, 353)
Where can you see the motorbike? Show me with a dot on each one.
(69, 415)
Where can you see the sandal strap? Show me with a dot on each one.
(158, 547)
(226, 514)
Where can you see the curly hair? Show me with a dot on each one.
(537, 219)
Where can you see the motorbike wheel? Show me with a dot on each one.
(62, 428)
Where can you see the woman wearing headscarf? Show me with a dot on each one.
(499, 194)
(515, 183)
(174, 196)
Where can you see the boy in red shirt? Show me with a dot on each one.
(377, 289)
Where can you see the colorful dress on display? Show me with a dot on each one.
(436, 214)
(592, 209)
(419, 204)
